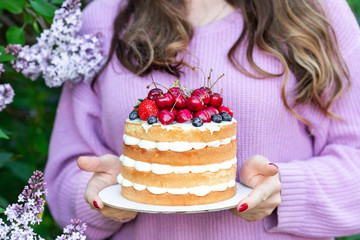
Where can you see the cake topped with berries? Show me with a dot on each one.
(179, 148)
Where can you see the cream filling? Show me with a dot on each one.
(198, 191)
(174, 146)
(211, 126)
(166, 169)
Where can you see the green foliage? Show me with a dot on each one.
(26, 124)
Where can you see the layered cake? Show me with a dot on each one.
(179, 156)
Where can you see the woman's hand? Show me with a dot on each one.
(105, 168)
(263, 176)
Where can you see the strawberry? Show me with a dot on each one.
(148, 108)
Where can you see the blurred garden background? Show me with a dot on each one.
(29, 119)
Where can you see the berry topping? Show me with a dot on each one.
(194, 103)
(148, 108)
(174, 111)
(216, 100)
(152, 119)
(180, 100)
(226, 116)
(206, 89)
(197, 122)
(184, 115)
(166, 117)
(204, 115)
(165, 101)
(134, 115)
(204, 96)
(212, 110)
(155, 93)
(226, 109)
(216, 118)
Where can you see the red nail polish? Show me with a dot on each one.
(96, 205)
(273, 164)
(243, 207)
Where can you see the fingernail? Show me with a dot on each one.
(243, 207)
(273, 164)
(96, 204)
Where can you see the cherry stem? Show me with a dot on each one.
(202, 73)
(158, 84)
(153, 80)
(217, 80)
(209, 78)
(175, 103)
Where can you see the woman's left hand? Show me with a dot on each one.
(263, 176)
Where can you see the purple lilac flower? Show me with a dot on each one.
(6, 95)
(74, 231)
(27, 212)
(1, 67)
(60, 54)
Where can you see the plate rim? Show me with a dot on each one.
(237, 195)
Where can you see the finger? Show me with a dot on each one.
(95, 185)
(262, 165)
(260, 194)
(97, 164)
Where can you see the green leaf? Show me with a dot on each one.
(13, 6)
(4, 158)
(43, 8)
(59, 2)
(20, 169)
(3, 202)
(4, 57)
(36, 27)
(15, 35)
(3, 135)
(2, 210)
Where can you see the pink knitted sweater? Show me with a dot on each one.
(320, 173)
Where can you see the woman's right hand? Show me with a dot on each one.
(105, 169)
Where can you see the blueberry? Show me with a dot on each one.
(197, 122)
(226, 116)
(151, 120)
(134, 115)
(216, 118)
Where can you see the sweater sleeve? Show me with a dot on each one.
(320, 196)
(78, 132)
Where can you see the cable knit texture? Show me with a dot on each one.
(319, 173)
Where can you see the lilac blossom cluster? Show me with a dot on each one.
(75, 230)
(28, 211)
(60, 54)
(6, 91)
(6, 95)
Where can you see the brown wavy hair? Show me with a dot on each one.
(148, 35)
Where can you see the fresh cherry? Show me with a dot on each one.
(216, 100)
(184, 115)
(174, 111)
(166, 117)
(194, 103)
(155, 93)
(212, 110)
(165, 101)
(204, 115)
(176, 90)
(180, 100)
(204, 96)
(206, 89)
(226, 109)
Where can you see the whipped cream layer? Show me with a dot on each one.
(211, 126)
(174, 146)
(166, 169)
(198, 191)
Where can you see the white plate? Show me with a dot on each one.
(111, 197)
